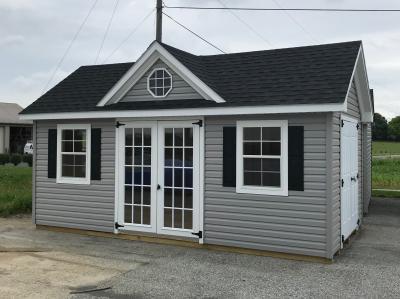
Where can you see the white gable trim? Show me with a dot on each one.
(241, 110)
(360, 78)
(149, 57)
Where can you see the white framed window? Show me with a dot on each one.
(262, 157)
(73, 153)
(159, 83)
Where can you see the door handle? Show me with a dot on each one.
(353, 179)
(158, 187)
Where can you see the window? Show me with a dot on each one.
(159, 83)
(73, 154)
(262, 157)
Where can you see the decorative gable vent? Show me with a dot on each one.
(159, 83)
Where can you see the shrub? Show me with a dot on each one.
(15, 159)
(4, 158)
(27, 159)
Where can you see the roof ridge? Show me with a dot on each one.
(106, 64)
(266, 50)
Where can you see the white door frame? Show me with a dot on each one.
(353, 182)
(198, 176)
(120, 168)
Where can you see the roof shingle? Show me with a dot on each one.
(302, 75)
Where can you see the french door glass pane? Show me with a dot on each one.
(178, 178)
(137, 176)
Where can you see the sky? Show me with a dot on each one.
(34, 36)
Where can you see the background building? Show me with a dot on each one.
(14, 133)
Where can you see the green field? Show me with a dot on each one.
(383, 148)
(386, 175)
(15, 190)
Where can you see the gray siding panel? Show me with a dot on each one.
(367, 156)
(292, 224)
(88, 207)
(335, 190)
(181, 90)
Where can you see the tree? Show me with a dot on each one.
(379, 127)
(394, 128)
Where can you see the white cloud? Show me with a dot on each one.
(35, 34)
(11, 40)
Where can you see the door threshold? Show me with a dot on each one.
(137, 234)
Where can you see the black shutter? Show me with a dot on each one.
(229, 157)
(52, 154)
(95, 155)
(296, 158)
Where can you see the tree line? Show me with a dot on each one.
(384, 130)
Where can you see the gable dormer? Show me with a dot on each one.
(160, 82)
(134, 85)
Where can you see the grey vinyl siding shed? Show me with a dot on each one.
(307, 222)
(89, 207)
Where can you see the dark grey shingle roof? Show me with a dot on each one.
(301, 75)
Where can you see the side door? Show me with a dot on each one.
(349, 177)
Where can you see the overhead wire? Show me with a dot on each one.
(311, 36)
(284, 9)
(70, 45)
(251, 28)
(106, 31)
(129, 35)
(194, 33)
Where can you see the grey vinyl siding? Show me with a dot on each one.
(89, 207)
(180, 88)
(34, 173)
(292, 224)
(367, 152)
(335, 222)
(353, 110)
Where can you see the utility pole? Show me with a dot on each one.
(159, 21)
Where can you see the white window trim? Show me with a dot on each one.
(70, 180)
(240, 187)
(148, 82)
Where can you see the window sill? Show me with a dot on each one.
(83, 181)
(261, 191)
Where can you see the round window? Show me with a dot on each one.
(159, 83)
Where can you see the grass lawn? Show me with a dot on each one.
(386, 175)
(383, 148)
(15, 190)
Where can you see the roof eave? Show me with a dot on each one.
(211, 111)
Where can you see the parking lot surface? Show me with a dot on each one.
(44, 264)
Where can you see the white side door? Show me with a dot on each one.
(349, 176)
(178, 178)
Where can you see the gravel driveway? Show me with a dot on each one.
(44, 264)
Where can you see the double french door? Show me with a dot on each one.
(159, 177)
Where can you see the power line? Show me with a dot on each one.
(129, 35)
(70, 45)
(296, 22)
(194, 33)
(284, 9)
(251, 28)
(107, 30)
